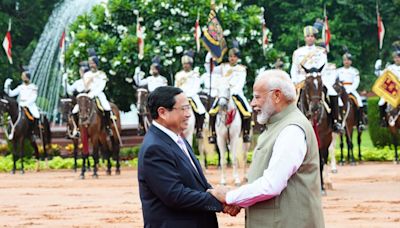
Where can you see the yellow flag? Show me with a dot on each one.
(388, 87)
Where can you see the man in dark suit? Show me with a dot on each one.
(172, 185)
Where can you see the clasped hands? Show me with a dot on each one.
(220, 194)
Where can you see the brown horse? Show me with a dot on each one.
(67, 104)
(312, 103)
(92, 126)
(348, 114)
(144, 114)
(394, 125)
(21, 127)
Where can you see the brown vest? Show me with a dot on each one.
(299, 204)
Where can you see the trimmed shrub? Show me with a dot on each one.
(380, 136)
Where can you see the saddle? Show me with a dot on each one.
(28, 114)
(193, 105)
(352, 97)
(98, 104)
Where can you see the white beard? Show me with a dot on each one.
(267, 110)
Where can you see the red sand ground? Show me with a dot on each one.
(367, 195)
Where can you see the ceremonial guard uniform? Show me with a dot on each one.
(234, 75)
(395, 69)
(27, 94)
(350, 77)
(312, 56)
(95, 82)
(189, 81)
(153, 81)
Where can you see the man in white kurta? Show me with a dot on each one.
(189, 81)
(395, 69)
(311, 56)
(350, 78)
(153, 81)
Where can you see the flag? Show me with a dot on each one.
(139, 34)
(388, 87)
(326, 35)
(62, 47)
(213, 38)
(197, 33)
(7, 43)
(381, 28)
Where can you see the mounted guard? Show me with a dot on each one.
(234, 75)
(312, 56)
(189, 81)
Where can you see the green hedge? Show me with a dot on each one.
(380, 136)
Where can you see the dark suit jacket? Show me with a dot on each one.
(173, 194)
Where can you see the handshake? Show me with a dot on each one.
(220, 194)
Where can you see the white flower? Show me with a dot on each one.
(112, 72)
(156, 50)
(158, 36)
(128, 80)
(184, 14)
(103, 59)
(173, 59)
(170, 28)
(136, 12)
(76, 53)
(162, 43)
(81, 44)
(168, 55)
(227, 32)
(173, 12)
(93, 26)
(128, 61)
(248, 59)
(116, 63)
(178, 49)
(157, 23)
(82, 26)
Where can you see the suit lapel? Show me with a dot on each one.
(181, 155)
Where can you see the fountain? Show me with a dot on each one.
(44, 65)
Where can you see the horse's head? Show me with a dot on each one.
(8, 105)
(141, 95)
(338, 86)
(313, 89)
(224, 98)
(86, 107)
(67, 105)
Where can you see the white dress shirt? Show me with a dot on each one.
(285, 161)
(175, 138)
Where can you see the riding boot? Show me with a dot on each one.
(361, 119)
(75, 118)
(141, 130)
(199, 125)
(107, 120)
(337, 127)
(246, 125)
(382, 114)
(213, 138)
(35, 129)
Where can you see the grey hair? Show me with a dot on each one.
(278, 79)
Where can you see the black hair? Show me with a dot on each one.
(27, 74)
(163, 96)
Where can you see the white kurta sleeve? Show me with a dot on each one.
(285, 161)
(14, 92)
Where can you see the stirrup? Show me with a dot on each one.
(361, 127)
(212, 139)
(337, 127)
(199, 135)
(246, 138)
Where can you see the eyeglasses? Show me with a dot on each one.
(183, 108)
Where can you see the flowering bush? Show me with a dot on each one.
(168, 28)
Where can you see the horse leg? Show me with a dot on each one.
(15, 149)
(359, 133)
(341, 162)
(395, 143)
(222, 146)
(83, 170)
(350, 147)
(75, 142)
(95, 156)
(21, 153)
(35, 148)
(321, 169)
(116, 149)
(219, 156)
(235, 151)
(331, 150)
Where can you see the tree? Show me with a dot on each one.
(352, 24)
(169, 29)
(28, 21)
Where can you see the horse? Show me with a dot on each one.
(92, 127)
(21, 126)
(67, 104)
(313, 105)
(143, 112)
(228, 129)
(348, 113)
(392, 116)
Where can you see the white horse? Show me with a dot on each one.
(228, 129)
(188, 134)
